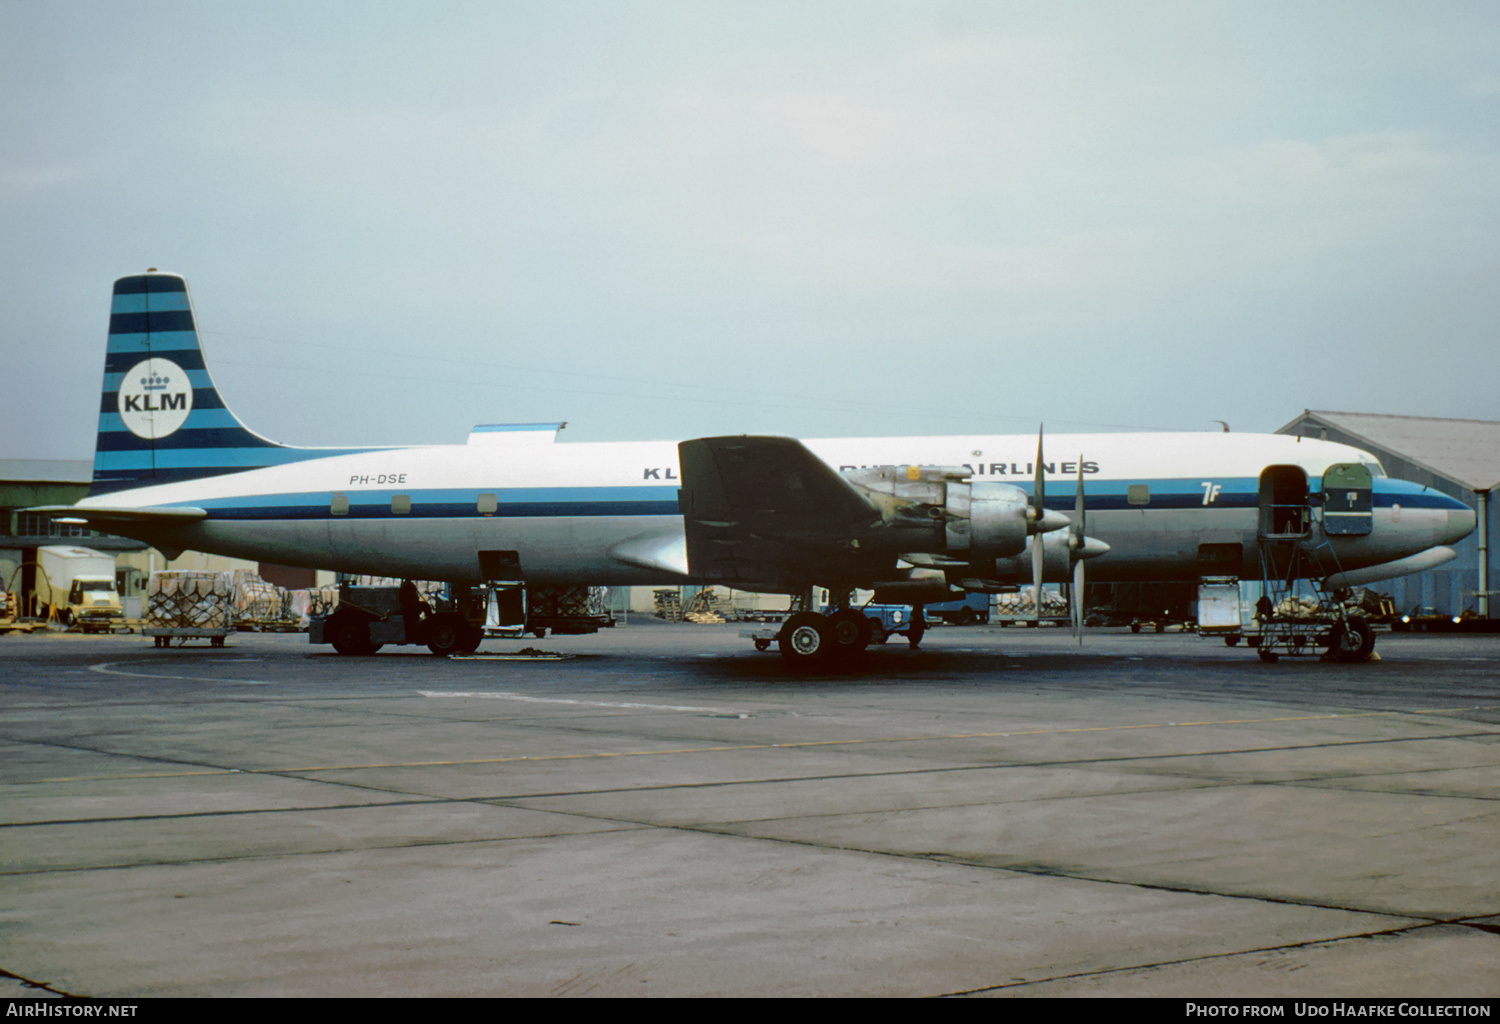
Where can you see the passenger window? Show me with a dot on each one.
(1138, 494)
(339, 506)
(487, 504)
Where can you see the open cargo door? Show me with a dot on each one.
(1346, 500)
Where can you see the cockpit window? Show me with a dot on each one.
(1373, 466)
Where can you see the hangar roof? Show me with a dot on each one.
(1465, 451)
(26, 482)
(47, 471)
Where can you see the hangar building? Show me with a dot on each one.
(1460, 458)
(26, 482)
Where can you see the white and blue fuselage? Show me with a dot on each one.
(607, 513)
(174, 467)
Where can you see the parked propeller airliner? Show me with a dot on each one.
(912, 518)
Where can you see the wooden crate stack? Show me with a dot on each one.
(668, 605)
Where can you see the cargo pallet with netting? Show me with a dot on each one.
(187, 605)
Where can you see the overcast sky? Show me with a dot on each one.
(666, 220)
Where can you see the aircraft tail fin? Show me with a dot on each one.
(161, 419)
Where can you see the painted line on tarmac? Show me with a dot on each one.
(498, 695)
(106, 668)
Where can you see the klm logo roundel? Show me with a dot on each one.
(155, 398)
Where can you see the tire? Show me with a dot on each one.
(851, 630)
(471, 638)
(1269, 656)
(1352, 641)
(350, 634)
(1135, 627)
(966, 617)
(446, 634)
(1231, 639)
(805, 640)
(762, 645)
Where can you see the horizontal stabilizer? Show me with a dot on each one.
(174, 516)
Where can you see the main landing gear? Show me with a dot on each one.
(810, 640)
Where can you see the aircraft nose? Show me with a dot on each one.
(1461, 523)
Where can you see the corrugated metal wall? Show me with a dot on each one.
(1450, 590)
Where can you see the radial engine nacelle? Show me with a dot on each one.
(972, 522)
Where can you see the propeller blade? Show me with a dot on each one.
(1038, 481)
(1040, 519)
(1078, 556)
(1078, 510)
(1036, 574)
(1077, 596)
(1038, 487)
(1038, 492)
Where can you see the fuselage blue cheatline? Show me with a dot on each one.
(175, 468)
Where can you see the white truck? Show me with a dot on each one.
(79, 585)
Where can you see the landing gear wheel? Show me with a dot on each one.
(916, 627)
(851, 629)
(446, 635)
(1269, 656)
(350, 634)
(470, 638)
(805, 639)
(1352, 641)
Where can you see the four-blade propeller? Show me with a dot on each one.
(1081, 547)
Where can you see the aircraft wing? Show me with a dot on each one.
(762, 509)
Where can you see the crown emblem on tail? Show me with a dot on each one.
(155, 382)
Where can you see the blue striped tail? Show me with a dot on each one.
(161, 419)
